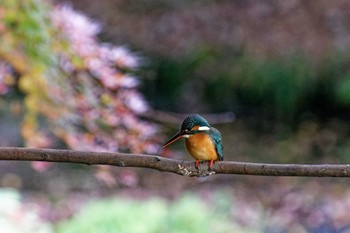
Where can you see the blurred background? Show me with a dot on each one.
(115, 75)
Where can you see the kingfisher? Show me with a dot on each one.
(203, 142)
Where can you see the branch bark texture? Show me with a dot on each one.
(162, 164)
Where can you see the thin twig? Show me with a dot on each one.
(171, 165)
(175, 119)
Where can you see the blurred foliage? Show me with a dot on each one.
(74, 87)
(16, 217)
(279, 208)
(286, 89)
(188, 214)
(263, 29)
(239, 207)
(248, 57)
(310, 142)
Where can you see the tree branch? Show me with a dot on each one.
(170, 165)
(175, 119)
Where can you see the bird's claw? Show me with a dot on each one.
(197, 164)
(211, 163)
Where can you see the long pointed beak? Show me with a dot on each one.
(175, 138)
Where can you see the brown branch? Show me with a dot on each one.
(171, 165)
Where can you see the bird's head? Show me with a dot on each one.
(192, 124)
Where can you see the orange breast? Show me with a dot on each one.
(201, 147)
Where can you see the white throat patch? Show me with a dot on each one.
(203, 128)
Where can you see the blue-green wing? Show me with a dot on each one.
(216, 137)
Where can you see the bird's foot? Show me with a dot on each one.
(211, 162)
(197, 164)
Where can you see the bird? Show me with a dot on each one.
(203, 142)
